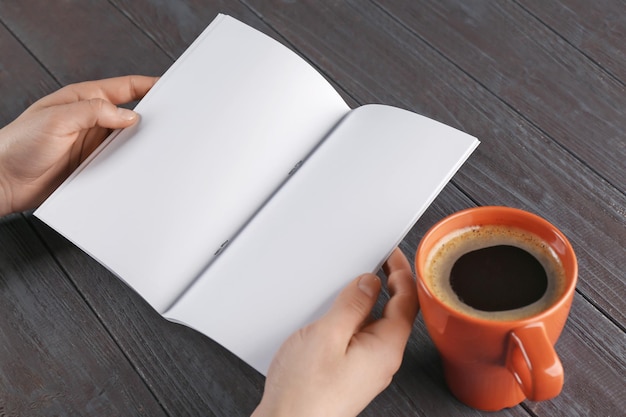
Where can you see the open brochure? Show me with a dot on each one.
(250, 194)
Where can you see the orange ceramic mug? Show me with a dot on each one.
(496, 356)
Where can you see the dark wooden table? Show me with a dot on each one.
(541, 83)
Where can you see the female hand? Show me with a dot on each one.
(53, 136)
(337, 365)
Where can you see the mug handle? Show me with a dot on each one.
(532, 360)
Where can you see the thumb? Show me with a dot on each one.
(86, 114)
(354, 304)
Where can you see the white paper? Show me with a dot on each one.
(339, 216)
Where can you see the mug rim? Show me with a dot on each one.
(571, 269)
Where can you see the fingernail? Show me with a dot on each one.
(126, 114)
(369, 284)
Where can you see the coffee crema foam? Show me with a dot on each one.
(450, 248)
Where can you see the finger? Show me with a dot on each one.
(352, 306)
(117, 90)
(396, 261)
(87, 114)
(401, 284)
(403, 304)
(396, 323)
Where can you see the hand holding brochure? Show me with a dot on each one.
(249, 193)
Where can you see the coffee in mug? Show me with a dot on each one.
(495, 272)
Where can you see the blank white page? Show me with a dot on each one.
(340, 215)
(218, 133)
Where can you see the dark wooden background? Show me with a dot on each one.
(541, 83)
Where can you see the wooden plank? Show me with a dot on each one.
(55, 357)
(22, 79)
(78, 40)
(554, 86)
(174, 25)
(597, 28)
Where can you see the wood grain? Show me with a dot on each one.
(79, 40)
(22, 79)
(540, 83)
(597, 28)
(175, 25)
(56, 358)
(533, 70)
